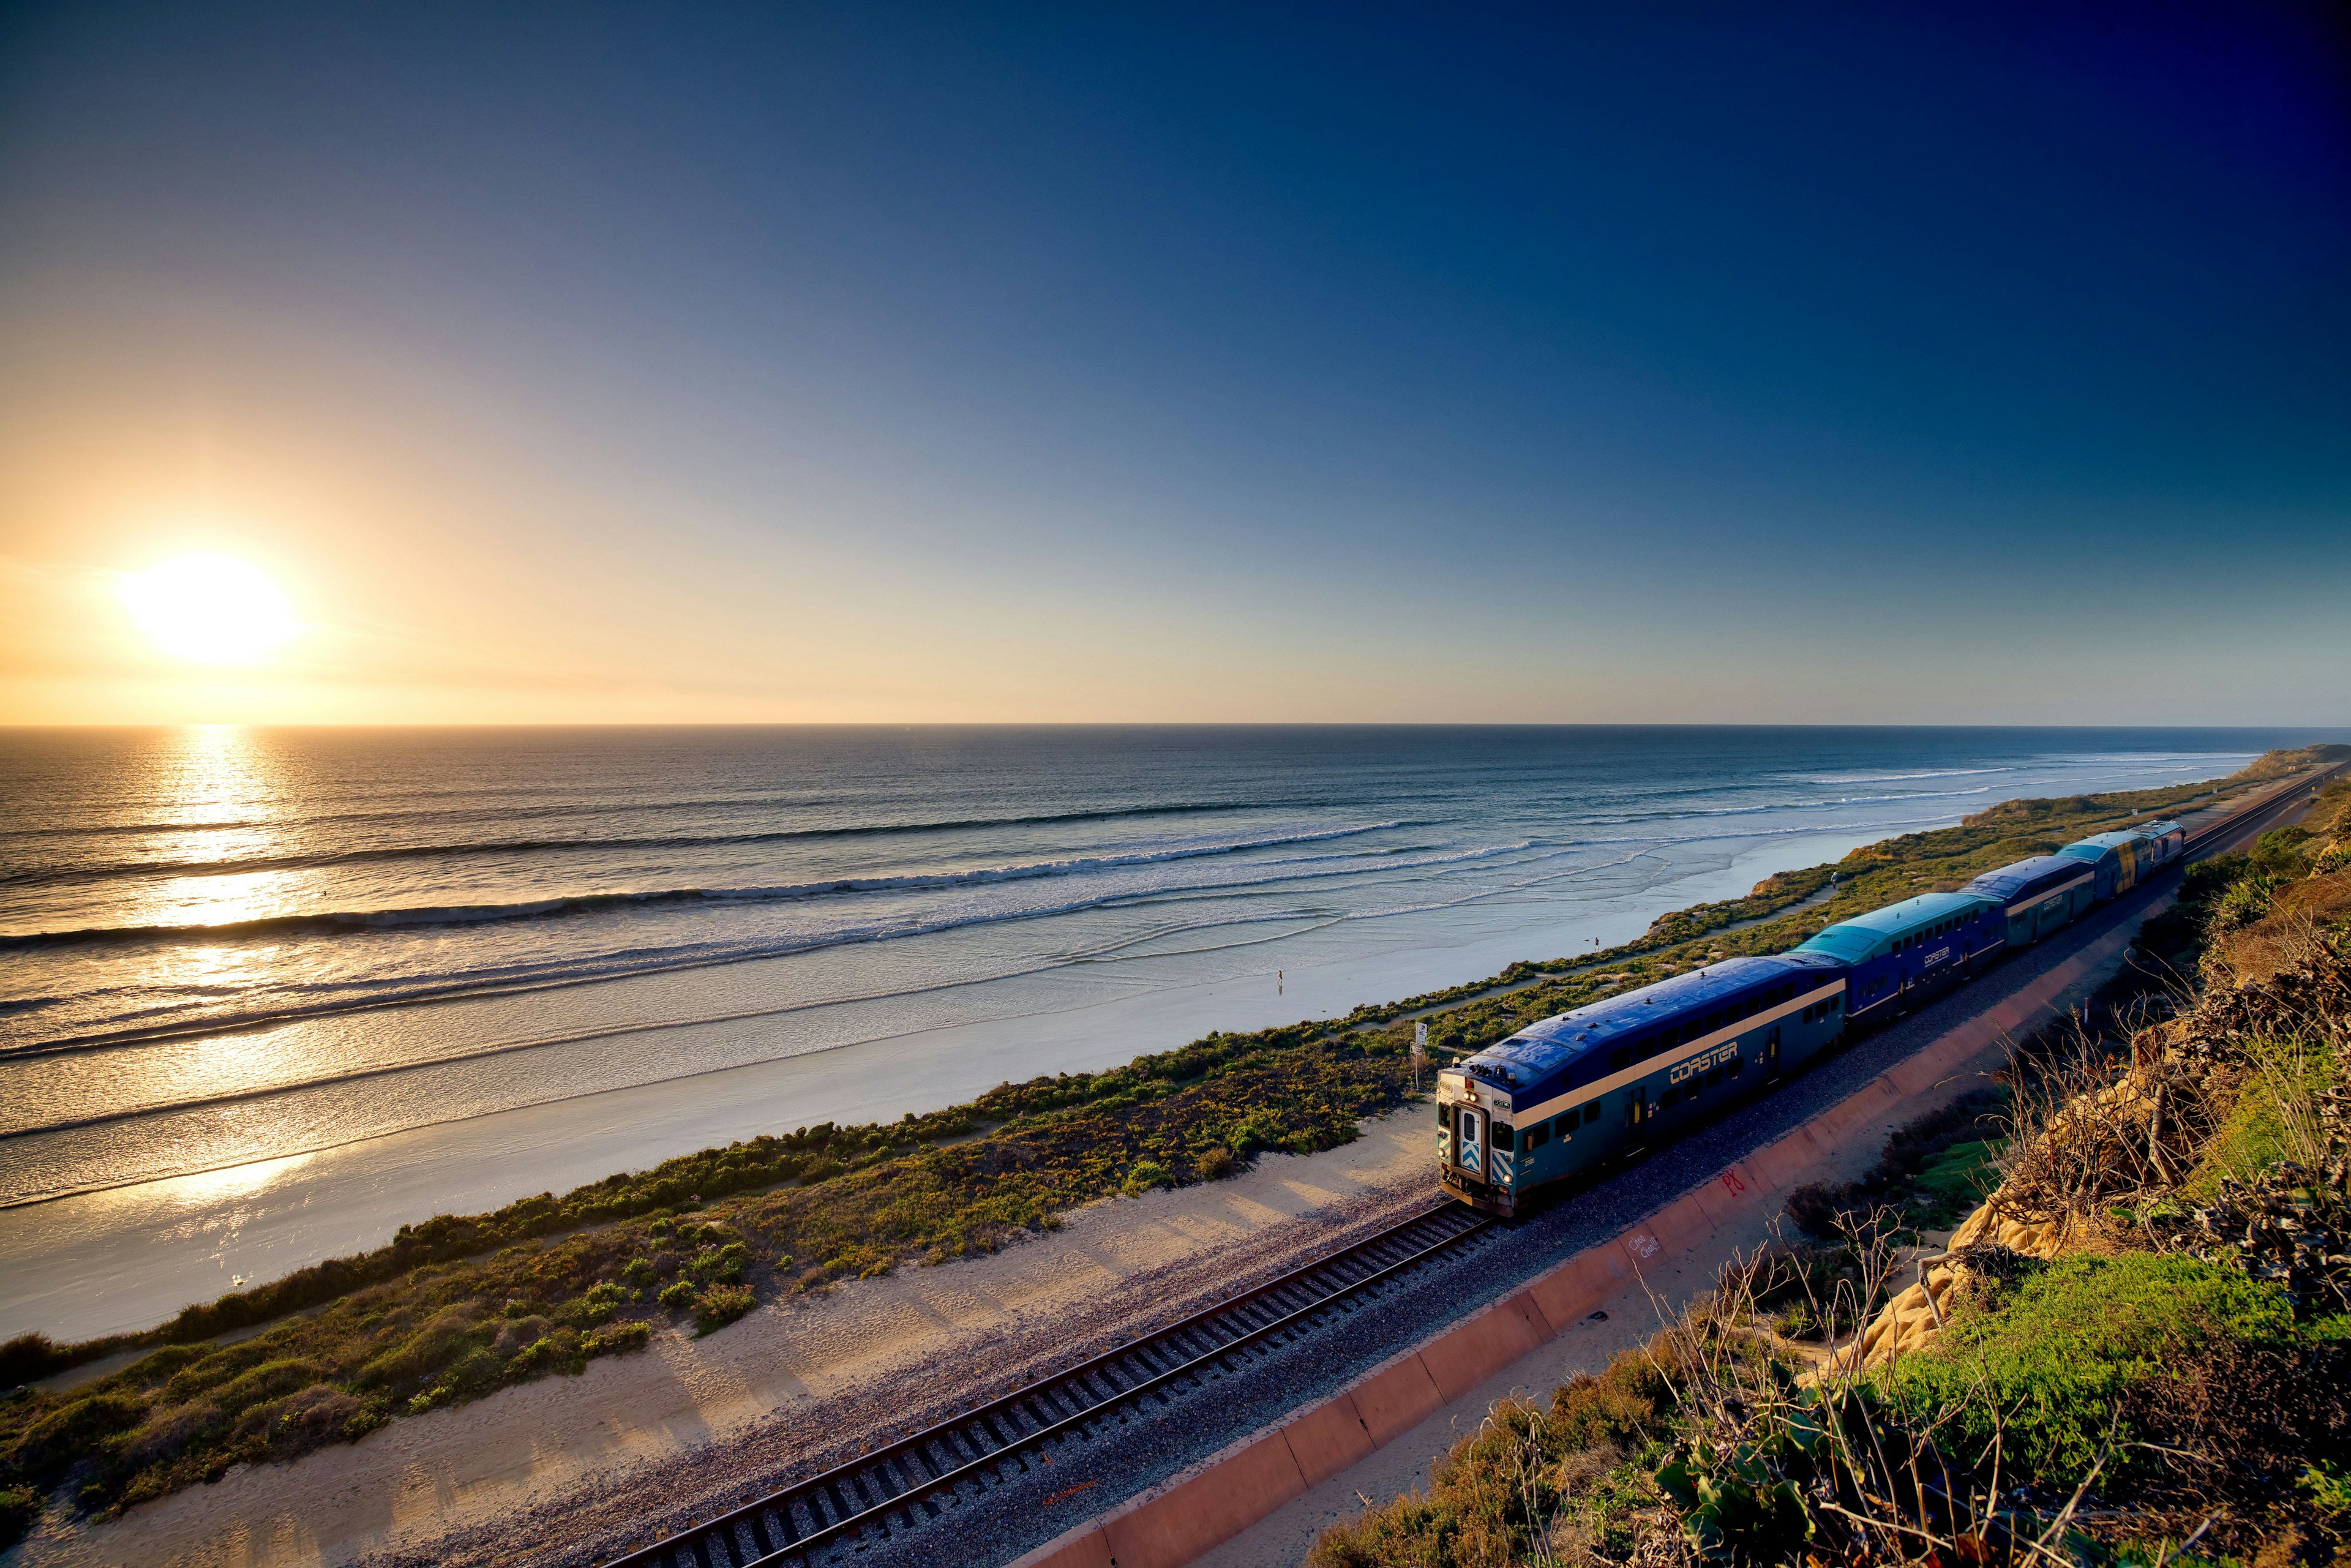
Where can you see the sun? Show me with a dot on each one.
(209, 608)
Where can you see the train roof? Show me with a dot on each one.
(1851, 941)
(1542, 1049)
(2010, 880)
(2157, 830)
(2099, 844)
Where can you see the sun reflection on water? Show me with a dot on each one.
(218, 788)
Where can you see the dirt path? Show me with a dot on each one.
(519, 1476)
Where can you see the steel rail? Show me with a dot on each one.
(2235, 821)
(689, 1546)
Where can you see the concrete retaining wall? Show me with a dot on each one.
(1215, 1499)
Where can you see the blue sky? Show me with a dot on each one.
(1852, 363)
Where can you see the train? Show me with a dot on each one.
(1562, 1097)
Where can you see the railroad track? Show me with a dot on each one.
(908, 1484)
(2275, 803)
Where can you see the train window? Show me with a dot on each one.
(1670, 1097)
(1445, 1118)
(1502, 1135)
(1620, 1058)
(1537, 1136)
(1714, 1075)
(1713, 1022)
(1592, 1113)
(1733, 1066)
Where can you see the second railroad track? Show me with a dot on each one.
(907, 1484)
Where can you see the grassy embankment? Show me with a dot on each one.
(2165, 1380)
(458, 1306)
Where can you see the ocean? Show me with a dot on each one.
(223, 947)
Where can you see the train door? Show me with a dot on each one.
(1636, 1116)
(1772, 1054)
(1469, 1140)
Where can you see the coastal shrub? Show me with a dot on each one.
(43, 1454)
(1216, 1164)
(20, 1507)
(721, 1305)
(171, 1433)
(30, 1357)
(1934, 1169)
(419, 1356)
(720, 1265)
(678, 1296)
(2073, 1351)
(1558, 1476)
(310, 1418)
(1145, 1175)
(543, 1355)
(263, 1383)
(2281, 853)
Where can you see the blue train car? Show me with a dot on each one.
(1561, 1096)
(2124, 859)
(1897, 957)
(2038, 894)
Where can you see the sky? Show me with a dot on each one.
(877, 363)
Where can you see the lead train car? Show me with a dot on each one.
(1563, 1095)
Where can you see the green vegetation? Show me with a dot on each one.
(1934, 1170)
(1711, 1444)
(2076, 1363)
(458, 1306)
